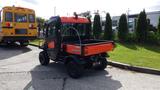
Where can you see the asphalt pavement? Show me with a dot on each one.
(20, 70)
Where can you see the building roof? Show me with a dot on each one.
(136, 15)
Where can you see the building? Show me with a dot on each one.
(132, 19)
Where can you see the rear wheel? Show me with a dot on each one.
(102, 64)
(74, 70)
(43, 58)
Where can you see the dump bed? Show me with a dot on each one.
(89, 47)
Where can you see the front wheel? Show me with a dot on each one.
(43, 58)
(102, 64)
(74, 70)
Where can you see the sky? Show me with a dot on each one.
(48, 8)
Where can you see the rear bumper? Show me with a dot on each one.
(18, 38)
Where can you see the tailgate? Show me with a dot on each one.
(97, 48)
(89, 49)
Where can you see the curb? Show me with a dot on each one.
(134, 68)
(34, 45)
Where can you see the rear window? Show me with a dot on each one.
(81, 28)
(20, 17)
(31, 18)
(8, 17)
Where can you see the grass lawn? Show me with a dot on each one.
(137, 55)
(36, 41)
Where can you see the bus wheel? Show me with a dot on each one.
(24, 44)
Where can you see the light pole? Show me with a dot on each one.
(55, 11)
(128, 15)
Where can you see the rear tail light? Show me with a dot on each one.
(8, 24)
(31, 26)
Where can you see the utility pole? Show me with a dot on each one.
(128, 15)
(55, 11)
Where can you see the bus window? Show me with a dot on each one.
(31, 18)
(8, 17)
(20, 17)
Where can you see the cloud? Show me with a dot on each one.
(31, 1)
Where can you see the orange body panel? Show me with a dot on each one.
(89, 49)
(73, 49)
(51, 44)
(74, 20)
(97, 49)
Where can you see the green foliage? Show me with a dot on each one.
(40, 21)
(159, 27)
(88, 30)
(151, 28)
(97, 28)
(123, 28)
(152, 37)
(141, 29)
(131, 37)
(108, 33)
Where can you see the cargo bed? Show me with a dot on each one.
(88, 47)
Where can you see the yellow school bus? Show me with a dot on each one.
(17, 24)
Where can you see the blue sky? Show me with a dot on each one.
(45, 8)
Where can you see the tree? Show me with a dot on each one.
(159, 27)
(97, 28)
(88, 30)
(108, 33)
(123, 28)
(141, 29)
(40, 21)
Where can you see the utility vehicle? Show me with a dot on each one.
(67, 42)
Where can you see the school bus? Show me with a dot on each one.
(17, 24)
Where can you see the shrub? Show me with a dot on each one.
(141, 29)
(97, 28)
(153, 38)
(108, 33)
(123, 28)
(131, 37)
(158, 31)
(159, 27)
(88, 31)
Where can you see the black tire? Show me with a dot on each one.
(102, 64)
(74, 70)
(43, 58)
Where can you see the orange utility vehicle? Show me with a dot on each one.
(66, 41)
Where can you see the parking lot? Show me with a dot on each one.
(20, 70)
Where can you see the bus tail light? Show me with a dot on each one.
(8, 24)
(31, 26)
